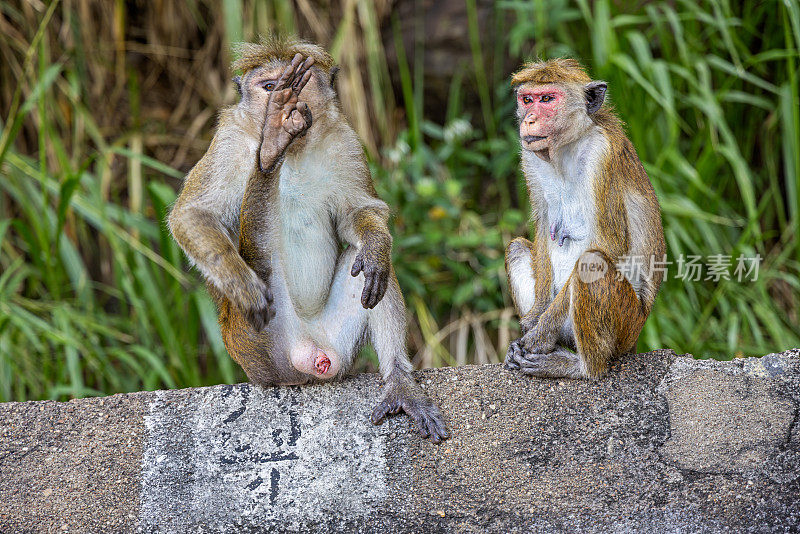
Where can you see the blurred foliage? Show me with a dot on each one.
(105, 106)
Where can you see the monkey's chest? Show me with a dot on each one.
(308, 250)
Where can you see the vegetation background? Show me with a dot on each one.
(105, 105)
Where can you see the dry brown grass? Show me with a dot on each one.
(161, 69)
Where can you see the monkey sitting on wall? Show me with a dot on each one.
(585, 285)
(283, 221)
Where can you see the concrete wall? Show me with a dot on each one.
(664, 444)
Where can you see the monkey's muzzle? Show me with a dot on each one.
(533, 138)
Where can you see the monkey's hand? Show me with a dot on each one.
(375, 261)
(406, 396)
(251, 296)
(286, 118)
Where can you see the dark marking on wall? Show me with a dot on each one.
(236, 414)
(275, 476)
(256, 483)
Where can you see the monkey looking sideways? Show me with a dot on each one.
(585, 285)
(282, 219)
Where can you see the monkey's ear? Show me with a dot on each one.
(332, 75)
(595, 95)
(237, 81)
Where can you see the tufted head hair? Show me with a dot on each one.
(551, 71)
(277, 48)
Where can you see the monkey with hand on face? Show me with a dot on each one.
(283, 221)
(585, 285)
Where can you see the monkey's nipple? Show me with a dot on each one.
(322, 363)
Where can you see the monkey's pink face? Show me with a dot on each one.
(539, 108)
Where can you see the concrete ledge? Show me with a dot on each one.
(666, 443)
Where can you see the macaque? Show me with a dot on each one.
(585, 285)
(282, 219)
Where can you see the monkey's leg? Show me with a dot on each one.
(387, 330)
(519, 269)
(606, 318)
(529, 279)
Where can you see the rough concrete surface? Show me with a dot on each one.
(665, 443)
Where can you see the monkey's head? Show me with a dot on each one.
(261, 65)
(556, 103)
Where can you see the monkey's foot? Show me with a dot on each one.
(557, 364)
(425, 414)
(533, 342)
(512, 354)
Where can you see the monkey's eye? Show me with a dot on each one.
(268, 86)
(526, 99)
(546, 98)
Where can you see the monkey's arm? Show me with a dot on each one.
(196, 223)
(543, 275)
(253, 225)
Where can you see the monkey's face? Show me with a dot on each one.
(551, 115)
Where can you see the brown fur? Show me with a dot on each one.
(275, 48)
(561, 70)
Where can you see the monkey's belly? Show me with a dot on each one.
(308, 257)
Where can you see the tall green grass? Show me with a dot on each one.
(95, 297)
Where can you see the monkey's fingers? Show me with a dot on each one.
(384, 408)
(512, 355)
(379, 283)
(293, 122)
(287, 76)
(358, 265)
(305, 111)
(420, 424)
(436, 427)
(369, 281)
(427, 419)
(534, 364)
(259, 312)
(302, 70)
(301, 79)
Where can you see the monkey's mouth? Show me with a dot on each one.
(533, 138)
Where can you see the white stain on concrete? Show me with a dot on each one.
(242, 456)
